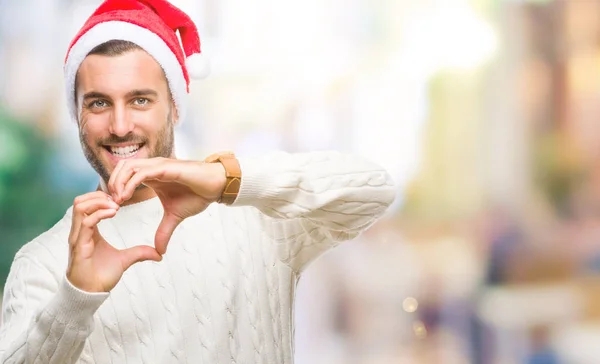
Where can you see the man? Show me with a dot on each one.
(222, 241)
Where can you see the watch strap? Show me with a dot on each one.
(233, 173)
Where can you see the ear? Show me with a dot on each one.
(79, 108)
(174, 112)
(78, 100)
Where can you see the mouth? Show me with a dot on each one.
(124, 151)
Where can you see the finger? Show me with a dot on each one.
(84, 244)
(137, 254)
(124, 175)
(156, 171)
(120, 176)
(90, 206)
(164, 232)
(113, 176)
(87, 207)
(89, 196)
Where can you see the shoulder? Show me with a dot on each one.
(49, 249)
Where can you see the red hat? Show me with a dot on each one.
(150, 24)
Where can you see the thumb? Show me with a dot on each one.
(165, 229)
(137, 254)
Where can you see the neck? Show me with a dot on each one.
(141, 194)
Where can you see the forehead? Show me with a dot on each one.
(121, 73)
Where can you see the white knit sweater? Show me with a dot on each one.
(224, 291)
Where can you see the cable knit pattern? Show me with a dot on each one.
(112, 333)
(167, 295)
(227, 264)
(274, 304)
(141, 318)
(250, 291)
(134, 290)
(225, 290)
(202, 310)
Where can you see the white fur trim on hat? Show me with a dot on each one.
(144, 38)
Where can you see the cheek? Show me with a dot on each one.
(153, 124)
(93, 129)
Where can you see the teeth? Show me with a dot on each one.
(125, 152)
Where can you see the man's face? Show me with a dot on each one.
(125, 110)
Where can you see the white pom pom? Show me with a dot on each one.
(197, 66)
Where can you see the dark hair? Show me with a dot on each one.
(114, 47)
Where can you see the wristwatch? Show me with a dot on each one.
(233, 173)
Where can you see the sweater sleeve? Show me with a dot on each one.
(310, 202)
(44, 320)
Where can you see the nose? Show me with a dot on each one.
(120, 123)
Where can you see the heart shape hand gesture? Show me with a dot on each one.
(185, 188)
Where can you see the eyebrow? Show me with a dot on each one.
(142, 92)
(132, 93)
(94, 95)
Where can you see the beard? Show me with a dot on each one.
(163, 147)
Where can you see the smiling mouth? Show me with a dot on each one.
(124, 152)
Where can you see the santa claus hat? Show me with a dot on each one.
(150, 24)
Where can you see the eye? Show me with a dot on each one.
(141, 101)
(98, 104)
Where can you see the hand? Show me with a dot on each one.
(94, 264)
(185, 188)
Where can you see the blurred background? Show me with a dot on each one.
(484, 111)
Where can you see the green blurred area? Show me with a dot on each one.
(29, 204)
